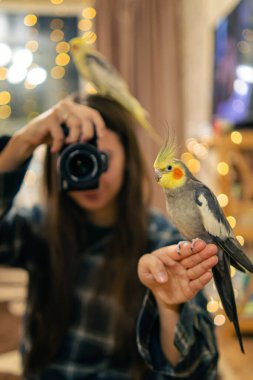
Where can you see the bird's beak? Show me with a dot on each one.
(158, 175)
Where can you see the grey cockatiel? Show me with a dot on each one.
(194, 210)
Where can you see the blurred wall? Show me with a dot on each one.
(198, 20)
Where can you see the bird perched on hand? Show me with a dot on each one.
(94, 67)
(194, 210)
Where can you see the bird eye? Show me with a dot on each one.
(168, 168)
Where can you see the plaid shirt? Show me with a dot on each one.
(86, 349)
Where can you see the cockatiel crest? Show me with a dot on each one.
(168, 170)
(94, 67)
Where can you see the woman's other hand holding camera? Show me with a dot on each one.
(46, 129)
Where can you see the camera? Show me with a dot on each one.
(80, 165)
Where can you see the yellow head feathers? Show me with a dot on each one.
(166, 154)
(169, 172)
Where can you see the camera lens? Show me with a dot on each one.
(82, 165)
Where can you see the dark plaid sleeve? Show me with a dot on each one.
(10, 182)
(17, 230)
(194, 333)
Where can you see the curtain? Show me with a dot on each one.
(140, 38)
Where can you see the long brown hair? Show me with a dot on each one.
(52, 294)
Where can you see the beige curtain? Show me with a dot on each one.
(140, 38)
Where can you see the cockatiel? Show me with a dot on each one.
(94, 67)
(194, 210)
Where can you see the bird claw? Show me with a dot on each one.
(193, 243)
(179, 244)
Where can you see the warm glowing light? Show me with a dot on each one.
(23, 57)
(5, 112)
(89, 12)
(5, 97)
(223, 200)
(190, 143)
(90, 37)
(232, 221)
(200, 151)
(90, 89)
(57, 23)
(236, 137)
(62, 47)
(194, 165)
(56, 2)
(186, 156)
(5, 54)
(212, 306)
(85, 25)
(222, 168)
(240, 239)
(36, 76)
(57, 72)
(30, 20)
(3, 73)
(232, 271)
(56, 35)
(219, 320)
(32, 45)
(16, 74)
(62, 59)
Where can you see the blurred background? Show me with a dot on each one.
(190, 64)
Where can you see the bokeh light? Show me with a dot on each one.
(57, 72)
(85, 25)
(222, 168)
(232, 221)
(56, 35)
(3, 73)
(32, 45)
(236, 137)
(5, 112)
(223, 200)
(219, 320)
(89, 13)
(5, 97)
(30, 20)
(62, 59)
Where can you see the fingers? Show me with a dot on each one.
(199, 283)
(150, 268)
(80, 119)
(198, 270)
(196, 258)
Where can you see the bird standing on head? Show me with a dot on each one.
(97, 69)
(193, 208)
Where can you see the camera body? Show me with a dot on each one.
(80, 165)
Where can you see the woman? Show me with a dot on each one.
(82, 253)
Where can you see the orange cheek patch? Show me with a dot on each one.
(177, 173)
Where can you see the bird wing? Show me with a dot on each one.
(217, 226)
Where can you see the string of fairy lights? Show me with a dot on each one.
(18, 66)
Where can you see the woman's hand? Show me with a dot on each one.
(46, 128)
(175, 276)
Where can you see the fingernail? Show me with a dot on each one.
(162, 276)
